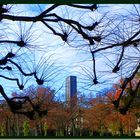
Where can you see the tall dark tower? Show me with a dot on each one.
(71, 89)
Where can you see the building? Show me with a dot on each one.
(75, 124)
(71, 88)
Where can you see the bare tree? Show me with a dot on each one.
(116, 41)
(114, 37)
(20, 44)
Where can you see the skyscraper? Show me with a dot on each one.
(71, 88)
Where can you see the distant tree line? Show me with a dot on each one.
(98, 117)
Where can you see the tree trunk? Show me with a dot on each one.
(17, 124)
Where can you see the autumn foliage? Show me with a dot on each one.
(98, 117)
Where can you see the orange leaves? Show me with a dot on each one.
(125, 92)
(117, 94)
(114, 94)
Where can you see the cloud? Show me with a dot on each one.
(69, 58)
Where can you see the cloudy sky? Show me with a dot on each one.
(51, 50)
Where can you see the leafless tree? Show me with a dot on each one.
(116, 43)
(115, 38)
(21, 45)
